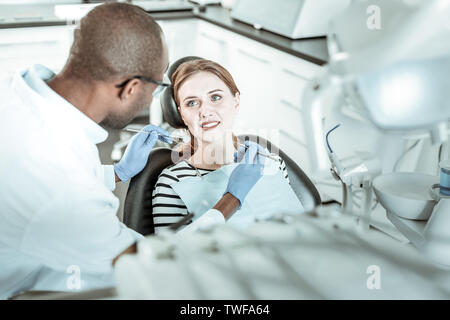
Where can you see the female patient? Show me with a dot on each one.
(208, 102)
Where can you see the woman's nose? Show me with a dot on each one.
(205, 110)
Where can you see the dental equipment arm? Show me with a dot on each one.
(399, 80)
(390, 61)
(338, 173)
(393, 80)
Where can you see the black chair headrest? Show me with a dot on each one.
(168, 105)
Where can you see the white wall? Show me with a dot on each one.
(20, 47)
(39, 1)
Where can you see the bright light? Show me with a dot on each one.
(400, 94)
(407, 95)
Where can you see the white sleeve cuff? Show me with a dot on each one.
(208, 219)
(108, 177)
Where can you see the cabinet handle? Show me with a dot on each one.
(28, 19)
(253, 57)
(212, 38)
(298, 141)
(47, 42)
(296, 75)
(290, 105)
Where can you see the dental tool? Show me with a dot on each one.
(262, 154)
(174, 138)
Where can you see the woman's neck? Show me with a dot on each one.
(213, 155)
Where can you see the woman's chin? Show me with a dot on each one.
(219, 134)
(211, 136)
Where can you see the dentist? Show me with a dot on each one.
(57, 212)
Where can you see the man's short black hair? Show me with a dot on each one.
(114, 41)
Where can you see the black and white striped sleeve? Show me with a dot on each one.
(283, 169)
(168, 208)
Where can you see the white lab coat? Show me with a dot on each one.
(58, 223)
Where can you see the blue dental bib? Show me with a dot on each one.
(271, 195)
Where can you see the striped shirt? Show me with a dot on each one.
(168, 208)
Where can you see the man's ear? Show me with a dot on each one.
(129, 90)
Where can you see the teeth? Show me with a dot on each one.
(212, 124)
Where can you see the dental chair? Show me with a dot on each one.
(138, 213)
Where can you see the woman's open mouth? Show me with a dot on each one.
(209, 125)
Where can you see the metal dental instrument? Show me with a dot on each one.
(262, 154)
(174, 138)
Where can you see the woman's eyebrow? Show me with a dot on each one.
(190, 97)
(193, 97)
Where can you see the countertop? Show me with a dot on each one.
(313, 49)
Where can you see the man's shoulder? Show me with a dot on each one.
(8, 96)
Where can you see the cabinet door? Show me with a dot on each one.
(181, 37)
(212, 43)
(21, 47)
(291, 87)
(254, 77)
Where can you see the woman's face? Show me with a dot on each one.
(207, 106)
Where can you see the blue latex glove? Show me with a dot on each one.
(248, 172)
(136, 154)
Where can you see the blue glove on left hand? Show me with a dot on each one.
(248, 172)
(136, 155)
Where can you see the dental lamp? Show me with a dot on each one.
(390, 60)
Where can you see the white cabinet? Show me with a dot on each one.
(181, 37)
(271, 82)
(21, 47)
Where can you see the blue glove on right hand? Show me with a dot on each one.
(136, 154)
(247, 173)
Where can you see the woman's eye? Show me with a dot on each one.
(216, 97)
(191, 103)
